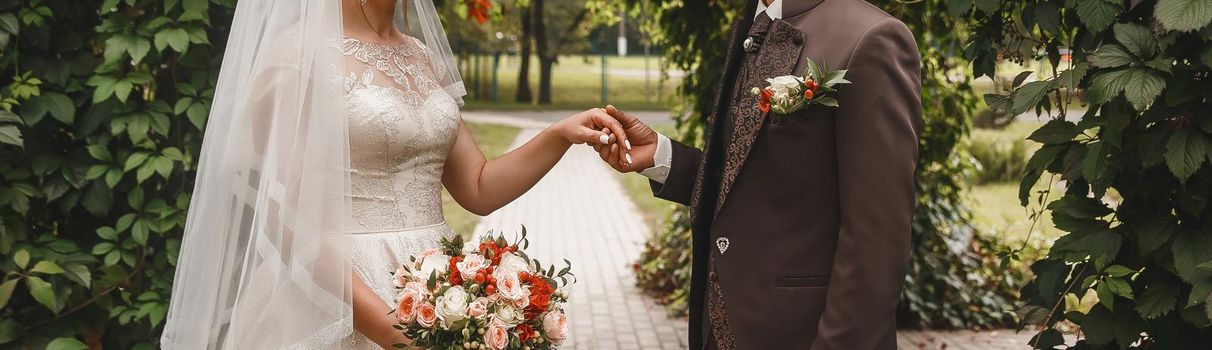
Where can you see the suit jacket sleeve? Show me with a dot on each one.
(877, 138)
(679, 185)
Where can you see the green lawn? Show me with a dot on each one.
(494, 140)
(576, 84)
(996, 207)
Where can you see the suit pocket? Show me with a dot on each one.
(801, 282)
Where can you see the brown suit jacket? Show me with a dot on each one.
(816, 205)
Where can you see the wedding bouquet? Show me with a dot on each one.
(789, 93)
(481, 295)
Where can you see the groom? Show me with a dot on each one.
(802, 221)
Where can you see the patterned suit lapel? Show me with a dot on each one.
(739, 28)
(778, 57)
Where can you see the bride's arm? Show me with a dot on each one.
(373, 318)
(483, 186)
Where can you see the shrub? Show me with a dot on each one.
(998, 158)
(1144, 262)
(103, 108)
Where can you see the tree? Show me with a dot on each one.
(1134, 268)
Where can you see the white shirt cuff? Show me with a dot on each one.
(662, 161)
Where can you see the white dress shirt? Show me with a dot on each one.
(663, 159)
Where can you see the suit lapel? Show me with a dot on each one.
(727, 82)
(778, 56)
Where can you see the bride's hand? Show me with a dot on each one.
(587, 126)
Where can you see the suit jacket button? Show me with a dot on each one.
(711, 276)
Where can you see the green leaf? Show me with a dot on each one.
(1120, 287)
(1111, 56)
(66, 344)
(1118, 271)
(1079, 207)
(9, 24)
(1151, 233)
(957, 8)
(61, 107)
(1054, 132)
(1191, 248)
(78, 273)
(21, 258)
(1185, 152)
(99, 152)
(1094, 166)
(9, 134)
(1136, 38)
(1139, 85)
(135, 159)
(1071, 78)
(1097, 15)
(138, 50)
(139, 232)
(1158, 299)
(1183, 15)
(47, 267)
(6, 291)
(103, 248)
(43, 292)
(176, 38)
(1029, 95)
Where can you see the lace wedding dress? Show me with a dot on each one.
(402, 126)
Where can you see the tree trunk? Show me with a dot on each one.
(523, 94)
(547, 58)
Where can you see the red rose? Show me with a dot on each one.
(540, 297)
(524, 332)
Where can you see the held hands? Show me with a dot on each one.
(595, 127)
(639, 143)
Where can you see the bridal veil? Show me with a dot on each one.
(261, 265)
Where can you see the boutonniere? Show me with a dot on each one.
(789, 93)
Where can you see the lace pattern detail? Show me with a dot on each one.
(402, 127)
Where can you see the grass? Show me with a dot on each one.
(996, 207)
(494, 140)
(576, 84)
(654, 210)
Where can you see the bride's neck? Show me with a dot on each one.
(375, 18)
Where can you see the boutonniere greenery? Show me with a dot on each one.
(790, 93)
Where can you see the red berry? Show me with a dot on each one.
(808, 94)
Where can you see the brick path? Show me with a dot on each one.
(579, 211)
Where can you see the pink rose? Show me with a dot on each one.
(510, 287)
(419, 287)
(400, 278)
(478, 308)
(470, 265)
(406, 309)
(496, 337)
(555, 326)
(426, 316)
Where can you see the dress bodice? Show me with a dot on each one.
(401, 129)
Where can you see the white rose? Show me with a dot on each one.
(783, 86)
(512, 263)
(452, 306)
(433, 263)
(510, 315)
(470, 265)
(478, 308)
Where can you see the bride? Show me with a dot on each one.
(335, 126)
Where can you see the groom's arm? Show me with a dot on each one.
(877, 137)
(673, 176)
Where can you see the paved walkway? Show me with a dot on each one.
(579, 211)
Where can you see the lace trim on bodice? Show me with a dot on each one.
(402, 126)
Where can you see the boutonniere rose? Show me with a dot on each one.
(789, 93)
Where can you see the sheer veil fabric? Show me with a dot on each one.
(262, 264)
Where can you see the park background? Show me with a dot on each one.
(1063, 180)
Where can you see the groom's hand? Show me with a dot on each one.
(643, 141)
